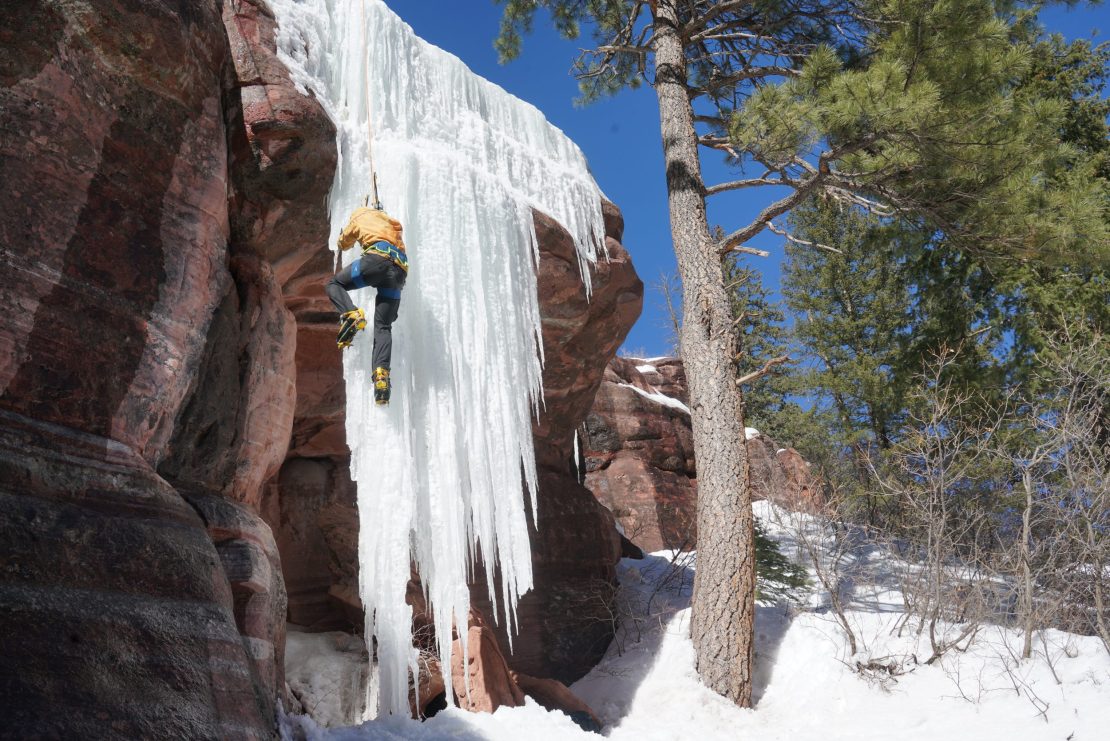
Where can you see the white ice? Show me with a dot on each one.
(461, 163)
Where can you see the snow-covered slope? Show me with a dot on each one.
(807, 685)
(461, 163)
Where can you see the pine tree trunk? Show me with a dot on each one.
(724, 583)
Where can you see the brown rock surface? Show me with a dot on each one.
(640, 463)
(115, 222)
(639, 453)
(282, 146)
(233, 433)
(483, 681)
(147, 329)
(118, 617)
(253, 567)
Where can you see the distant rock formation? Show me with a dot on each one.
(638, 456)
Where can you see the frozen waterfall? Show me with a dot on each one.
(460, 163)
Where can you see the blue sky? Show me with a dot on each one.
(620, 136)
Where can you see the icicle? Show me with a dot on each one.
(461, 163)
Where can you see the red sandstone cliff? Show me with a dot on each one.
(172, 457)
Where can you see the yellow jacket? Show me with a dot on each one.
(368, 226)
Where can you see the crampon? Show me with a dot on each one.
(349, 325)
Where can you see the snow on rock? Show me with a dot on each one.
(750, 432)
(659, 398)
(462, 164)
(647, 368)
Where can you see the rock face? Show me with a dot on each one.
(639, 452)
(639, 456)
(282, 148)
(147, 385)
(172, 447)
(564, 622)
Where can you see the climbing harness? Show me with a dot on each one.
(388, 251)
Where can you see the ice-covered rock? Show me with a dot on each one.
(462, 164)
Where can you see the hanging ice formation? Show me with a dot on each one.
(460, 163)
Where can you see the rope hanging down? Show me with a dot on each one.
(377, 204)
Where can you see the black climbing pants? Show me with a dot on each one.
(385, 275)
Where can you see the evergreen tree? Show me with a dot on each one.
(763, 343)
(893, 106)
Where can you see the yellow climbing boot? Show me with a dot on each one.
(381, 385)
(350, 324)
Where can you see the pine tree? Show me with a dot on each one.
(892, 106)
(762, 338)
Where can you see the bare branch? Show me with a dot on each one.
(798, 241)
(763, 179)
(767, 367)
(779, 207)
(751, 251)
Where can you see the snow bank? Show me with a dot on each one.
(806, 685)
(462, 164)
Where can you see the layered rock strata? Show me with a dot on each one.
(147, 382)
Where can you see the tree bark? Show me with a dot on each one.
(724, 583)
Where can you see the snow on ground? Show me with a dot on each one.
(806, 683)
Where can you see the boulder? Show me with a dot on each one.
(554, 695)
(639, 452)
(483, 681)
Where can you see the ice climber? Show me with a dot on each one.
(383, 265)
